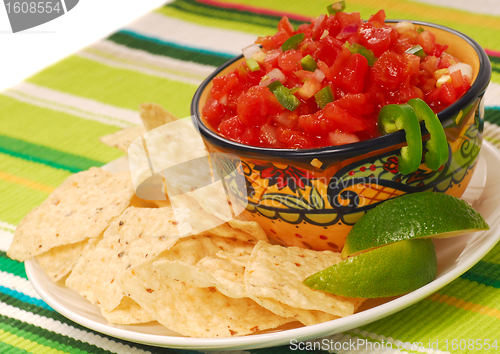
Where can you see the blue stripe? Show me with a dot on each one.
(24, 298)
(176, 45)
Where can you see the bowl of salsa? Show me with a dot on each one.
(300, 116)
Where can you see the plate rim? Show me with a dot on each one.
(280, 337)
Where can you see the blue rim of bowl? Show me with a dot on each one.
(349, 150)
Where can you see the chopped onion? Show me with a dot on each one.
(272, 76)
(250, 50)
(223, 100)
(268, 134)
(259, 57)
(348, 30)
(340, 138)
(318, 22)
(465, 69)
(404, 26)
(325, 33)
(319, 75)
(286, 118)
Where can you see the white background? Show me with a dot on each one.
(24, 53)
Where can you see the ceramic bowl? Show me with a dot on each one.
(311, 198)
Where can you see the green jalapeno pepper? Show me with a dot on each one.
(324, 96)
(437, 145)
(360, 49)
(293, 42)
(284, 96)
(336, 7)
(396, 117)
(308, 63)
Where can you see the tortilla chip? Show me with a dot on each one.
(81, 207)
(77, 280)
(128, 312)
(198, 262)
(195, 261)
(123, 138)
(192, 311)
(136, 236)
(276, 272)
(60, 260)
(144, 203)
(153, 115)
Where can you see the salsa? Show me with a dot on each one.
(325, 82)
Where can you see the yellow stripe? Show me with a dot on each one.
(29, 346)
(26, 182)
(465, 305)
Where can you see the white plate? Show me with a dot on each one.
(455, 256)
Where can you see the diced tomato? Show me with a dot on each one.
(345, 19)
(359, 103)
(390, 70)
(223, 84)
(377, 39)
(213, 111)
(345, 121)
(256, 104)
(317, 123)
(448, 94)
(293, 138)
(232, 128)
(329, 50)
(352, 76)
(290, 60)
(271, 61)
(439, 49)
(378, 17)
(270, 42)
(285, 26)
(339, 63)
(242, 110)
(427, 40)
(457, 79)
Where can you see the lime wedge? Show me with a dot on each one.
(412, 216)
(392, 270)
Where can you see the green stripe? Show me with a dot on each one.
(413, 324)
(494, 255)
(476, 293)
(115, 86)
(45, 155)
(33, 171)
(492, 116)
(156, 47)
(485, 273)
(54, 132)
(227, 14)
(9, 349)
(12, 266)
(201, 19)
(48, 338)
(22, 201)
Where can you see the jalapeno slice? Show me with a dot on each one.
(437, 146)
(293, 42)
(396, 117)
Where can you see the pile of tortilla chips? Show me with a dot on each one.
(126, 256)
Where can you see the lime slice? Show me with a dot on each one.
(392, 270)
(412, 216)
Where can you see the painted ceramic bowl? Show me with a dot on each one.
(311, 197)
